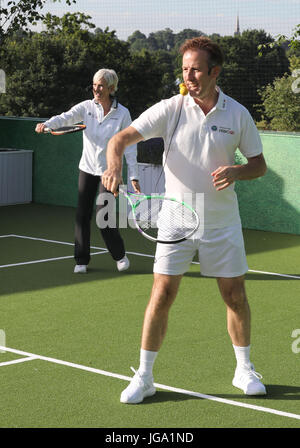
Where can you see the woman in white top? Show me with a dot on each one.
(103, 117)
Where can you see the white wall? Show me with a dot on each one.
(151, 177)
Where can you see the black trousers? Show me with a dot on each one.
(88, 187)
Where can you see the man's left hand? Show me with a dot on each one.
(224, 176)
(136, 186)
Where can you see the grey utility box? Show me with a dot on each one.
(15, 176)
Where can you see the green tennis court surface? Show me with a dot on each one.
(71, 339)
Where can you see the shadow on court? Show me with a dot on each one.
(274, 392)
(57, 223)
(60, 273)
(264, 205)
(250, 276)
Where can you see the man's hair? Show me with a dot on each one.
(110, 77)
(213, 50)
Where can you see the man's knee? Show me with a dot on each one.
(233, 292)
(163, 292)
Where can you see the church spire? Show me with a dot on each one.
(237, 32)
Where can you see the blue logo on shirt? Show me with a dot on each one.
(214, 128)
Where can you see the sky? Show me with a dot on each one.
(209, 16)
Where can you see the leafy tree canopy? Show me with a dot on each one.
(244, 71)
(161, 40)
(292, 44)
(280, 101)
(49, 72)
(20, 14)
(69, 23)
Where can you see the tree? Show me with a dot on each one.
(42, 73)
(293, 44)
(49, 72)
(68, 24)
(164, 39)
(164, 61)
(187, 33)
(244, 71)
(295, 41)
(19, 15)
(161, 40)
(280, 101)
(141, 80)
(137, 41)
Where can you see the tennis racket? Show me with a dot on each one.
(65, 129)
(162, 219)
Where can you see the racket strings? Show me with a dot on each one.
(165, 219)
(66, 129)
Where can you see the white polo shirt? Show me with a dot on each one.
(99, 130)
(201, 143)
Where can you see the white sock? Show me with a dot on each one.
(147, 359)
(242, 355)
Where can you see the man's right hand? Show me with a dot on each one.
(40, 128)
(111, 180)
(112, 177)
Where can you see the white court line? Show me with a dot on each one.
(275, 273)
(139, 254)
(160, 386)
(37, 239)
(102, 249)
(45, 260)
(249, 270)
(49, 241)
(33, 262)
(17, 361)
(130, 253)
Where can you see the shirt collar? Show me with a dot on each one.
(221, 103)
(114, 104)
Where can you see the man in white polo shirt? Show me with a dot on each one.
(201, 131)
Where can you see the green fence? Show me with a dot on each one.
(272, 202)
(55, 159)
(269, 203)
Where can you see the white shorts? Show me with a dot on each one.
(221, 253)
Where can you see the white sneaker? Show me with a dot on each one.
(249, 381)
(138, 389)
(80, 269)
(123, 264)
